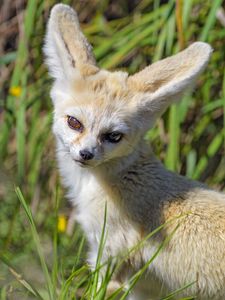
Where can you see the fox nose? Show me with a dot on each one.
(86, 155)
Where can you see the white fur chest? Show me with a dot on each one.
(83, 191)
(90, 200)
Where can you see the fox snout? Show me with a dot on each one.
(86, 154)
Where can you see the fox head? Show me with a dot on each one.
(99, 115)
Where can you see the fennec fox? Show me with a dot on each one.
(100, 119)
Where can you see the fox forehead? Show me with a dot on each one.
(98, 88)
(103, 92)
(103, 81)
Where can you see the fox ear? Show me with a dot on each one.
(66, 49)
(164, 82)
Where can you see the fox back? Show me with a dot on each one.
(100, 119)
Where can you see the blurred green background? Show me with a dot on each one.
(39, 251)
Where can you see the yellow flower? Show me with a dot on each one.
(62, 222)
(15, 91)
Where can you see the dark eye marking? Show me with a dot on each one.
(74, 124)
(113, 137)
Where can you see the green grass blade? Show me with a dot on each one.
(51, 290)
(211, 151)
(98, 266)
(171, 295)
(223, 93)
(28, 286)
(7, 58)
(211, 19)
(172, 157)
(136, 277)
(21, 59)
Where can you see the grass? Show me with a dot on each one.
(38, 261)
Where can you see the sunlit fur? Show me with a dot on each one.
(139, 192)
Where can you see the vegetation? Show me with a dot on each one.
(39, 258)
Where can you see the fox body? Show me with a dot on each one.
(100, 119)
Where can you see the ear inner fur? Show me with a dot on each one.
(76, 44)
(165, 81)
(66, 48)
(185, 65)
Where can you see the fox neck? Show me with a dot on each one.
(142, 169)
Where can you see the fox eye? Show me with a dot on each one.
(74, 124)
(113, 137)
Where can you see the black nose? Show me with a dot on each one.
(86, 155)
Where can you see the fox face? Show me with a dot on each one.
(94, 118)
(100, 116)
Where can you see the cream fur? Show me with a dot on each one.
(140, 193)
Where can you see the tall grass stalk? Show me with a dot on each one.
(21, 59)
(172, 158)
(223, 95)
(50, 287)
